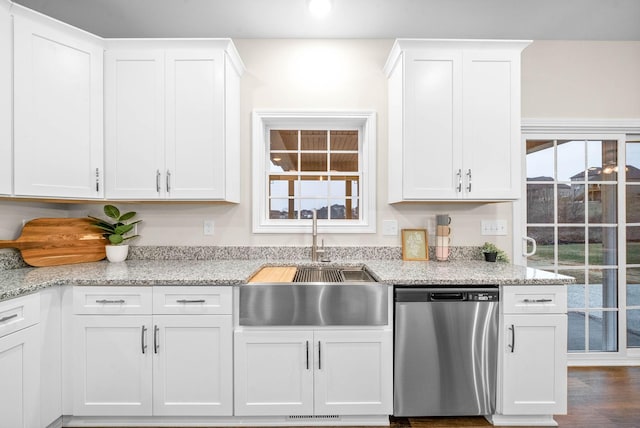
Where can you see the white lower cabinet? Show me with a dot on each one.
(20, 363)
(155, 364)
(313, 372)
(534, 355)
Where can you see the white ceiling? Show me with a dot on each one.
(500, 19)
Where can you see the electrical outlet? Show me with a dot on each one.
(390, 227)
(493, 227)
(208, 227)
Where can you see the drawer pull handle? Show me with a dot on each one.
(319, 356)
(307, 355)
(190, 301)
(538, 300)
(7, 318)
(111, 302)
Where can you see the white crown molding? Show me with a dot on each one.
(567, 126)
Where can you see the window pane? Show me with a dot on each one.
(313, 140)
(603, 203)
(282, 209)
(313, 162)
(283, 140)
(603, 288)
(540, 162)
(633, 161)
(571, 203)
(633, 286)
(540, 202)
(633, 245)
(633, 204)
(347, 162)
(308, 205)
(283, 161)
(571, 161)
(603, 245)
(602, 160)
(281, 185)
(602, 328)
(344, 140)
(344, 185)
(314, 185)
(545, 239)
(579, 274)
(575, 296)
(633, 328)
(576, 342)
(571, 246)
(344, 209)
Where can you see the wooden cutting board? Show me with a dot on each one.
(274, 274)
(59, 241)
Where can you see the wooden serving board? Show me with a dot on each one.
(274, 274)
(59, 241)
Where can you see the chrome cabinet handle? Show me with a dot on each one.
(143, 342)
(512, 346)
(7, 318)
(459, 174)
(537, 300)
(111, 302)
(158, 181)
(156, 341)
(190, 301)
(97, 179)
(168, 181)
(469, 180)
(319, 356)
(307, 355)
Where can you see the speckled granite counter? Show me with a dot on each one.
(16, 282)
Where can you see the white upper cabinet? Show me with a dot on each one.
(172, 120)
(6, 111)
(454, 120)
(58, 108)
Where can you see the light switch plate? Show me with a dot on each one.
(493, 227)
(208, 227)
(390, 227)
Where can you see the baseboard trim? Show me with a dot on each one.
(517, 420)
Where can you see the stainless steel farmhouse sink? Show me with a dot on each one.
(317, 296)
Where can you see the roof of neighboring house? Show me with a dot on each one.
(595, 174)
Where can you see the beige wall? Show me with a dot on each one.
(560, 80)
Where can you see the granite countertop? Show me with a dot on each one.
(16, 282)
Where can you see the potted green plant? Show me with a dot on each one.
(493, 253)
(116, 231)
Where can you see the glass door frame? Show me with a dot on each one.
(624, 355)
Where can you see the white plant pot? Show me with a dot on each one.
(117, 253)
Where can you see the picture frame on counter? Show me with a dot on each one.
(415, 245)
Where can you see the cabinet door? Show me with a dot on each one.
(192, 366)
(535, 368)
(354, 373)
(113, 366)
(58, 109)
(195, 100)
(20, 374)
(491, 129)
(432, 125)
(273, 373)
(134, 123)
(6, 108)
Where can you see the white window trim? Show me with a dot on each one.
(364, 121)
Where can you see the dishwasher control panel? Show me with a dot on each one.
(483, 296)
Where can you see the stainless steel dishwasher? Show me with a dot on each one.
(446, 351)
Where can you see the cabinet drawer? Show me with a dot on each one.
(544, 299)
(18, 313)
(192, 300)
(112, 300)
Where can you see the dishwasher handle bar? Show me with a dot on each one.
(420, 294)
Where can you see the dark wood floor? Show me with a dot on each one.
(599, 397)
